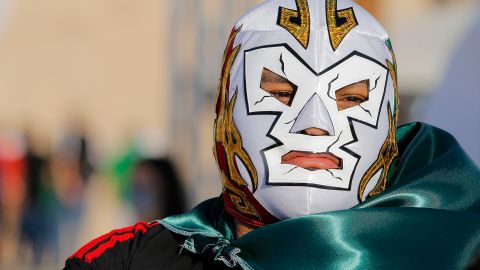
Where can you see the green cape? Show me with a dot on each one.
(428, 218)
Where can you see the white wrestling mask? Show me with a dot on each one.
(306, 110)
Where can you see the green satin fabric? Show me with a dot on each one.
(428, 218)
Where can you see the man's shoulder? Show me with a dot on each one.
(142, 246)
(124, 248)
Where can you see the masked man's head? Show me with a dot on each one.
(306, 110)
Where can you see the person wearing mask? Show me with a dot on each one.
(315, 172)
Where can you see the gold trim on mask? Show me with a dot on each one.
(388, 153)
(392, 68)
(296, 22)
(227, 134)
(389, 150)
(339, 22)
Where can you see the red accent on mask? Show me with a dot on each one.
(222, 157)
(265, 217)
(228, 52)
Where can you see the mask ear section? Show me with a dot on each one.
(278, 87)
(352, 95)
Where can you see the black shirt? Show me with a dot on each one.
(145, 246)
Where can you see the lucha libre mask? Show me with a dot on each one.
(320, 145)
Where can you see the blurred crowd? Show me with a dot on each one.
(43, 195)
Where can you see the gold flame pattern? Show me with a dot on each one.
(297, 22)
(389, 151)
(339, 22)
(227, 134)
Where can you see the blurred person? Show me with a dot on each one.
(144, 145)
(121, 170)
(315, 172)
(13, 171)
(71, 170)
(39, 228)
(157, 190)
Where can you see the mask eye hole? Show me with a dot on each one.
(278, 86)
(352, 95)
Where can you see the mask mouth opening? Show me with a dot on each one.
(313, 161)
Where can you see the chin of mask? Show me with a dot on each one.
(306, 110)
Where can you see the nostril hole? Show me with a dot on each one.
(314, 132)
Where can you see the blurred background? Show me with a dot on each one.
(106, 109)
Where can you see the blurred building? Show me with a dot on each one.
(102, 62)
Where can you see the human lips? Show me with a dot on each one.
(315, 161)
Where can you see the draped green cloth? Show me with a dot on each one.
(428, 218)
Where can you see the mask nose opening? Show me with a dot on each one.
(313, 131)
(314, 119)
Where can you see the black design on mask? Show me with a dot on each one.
(283, 64)
(335, 177)
(330, 87)
(367, 111)
(261, 100)
(338, 139)
(376, 84)
(293, 120)
(277, 114)
(291, 170)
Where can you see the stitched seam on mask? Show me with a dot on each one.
(323, 30)
(317, 122)
(367, 34)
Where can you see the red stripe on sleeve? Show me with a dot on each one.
(103, 247)
(139, 227)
